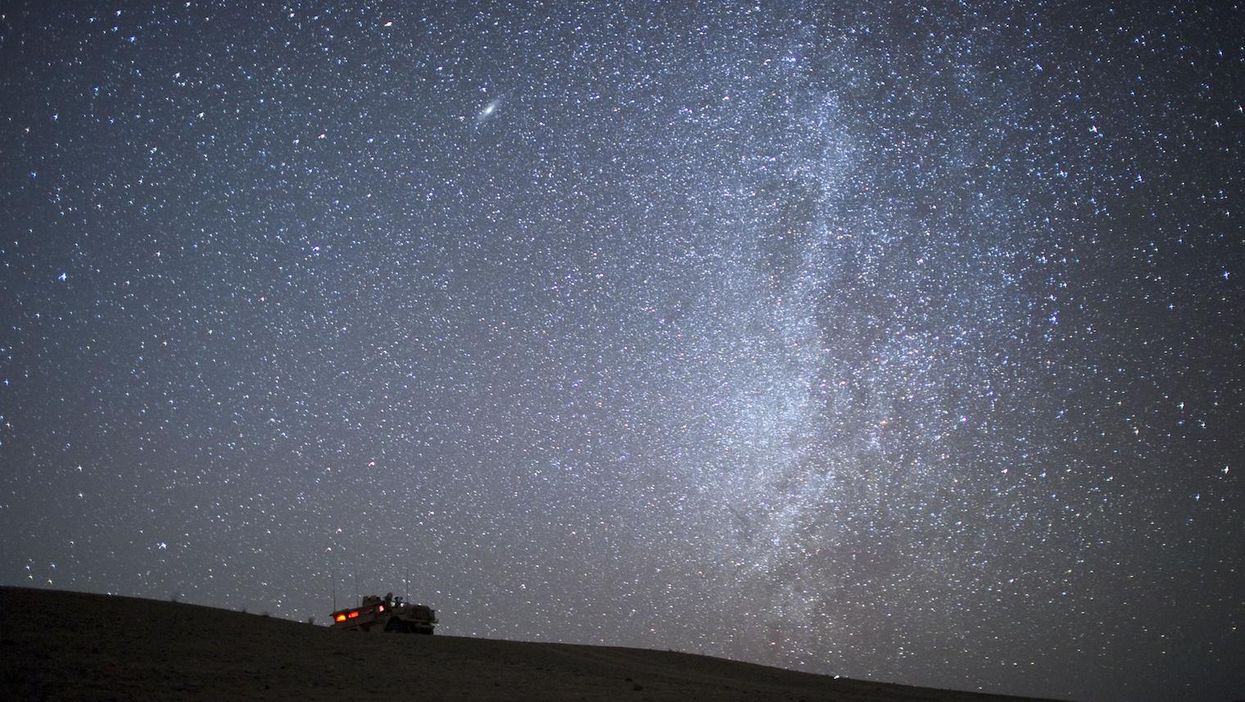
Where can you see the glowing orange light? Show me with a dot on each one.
(340, 618)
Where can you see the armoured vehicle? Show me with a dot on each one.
(386, 614)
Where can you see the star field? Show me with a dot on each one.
(896, 342)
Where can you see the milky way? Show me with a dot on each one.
(878, 340)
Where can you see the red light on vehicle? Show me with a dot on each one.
(353, 615)
(380, 608)
(340, 618)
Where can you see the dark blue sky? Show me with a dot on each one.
(874, 340)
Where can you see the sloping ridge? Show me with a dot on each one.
(79, 646)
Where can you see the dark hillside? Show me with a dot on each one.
(75, 646)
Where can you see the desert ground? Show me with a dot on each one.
(77, 646)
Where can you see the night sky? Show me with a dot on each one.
(880, 340)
